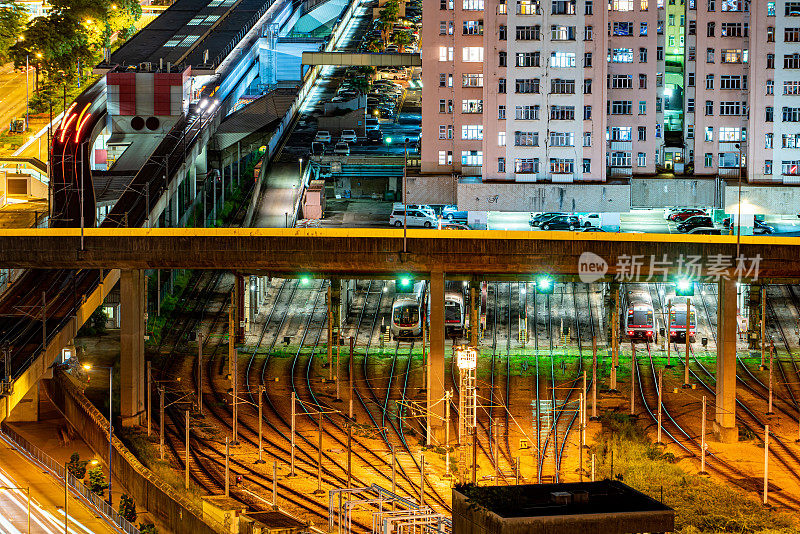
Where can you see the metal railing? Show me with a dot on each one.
(77, 487)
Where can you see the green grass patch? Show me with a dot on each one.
(702, 505)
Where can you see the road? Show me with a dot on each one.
(47, 500)
(12, 93)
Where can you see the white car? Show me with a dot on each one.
(349, 136)
(590, 220)
(323, 136)
(413, 218)
(398, 206)
(341, 149)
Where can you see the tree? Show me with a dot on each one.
(97, 481)
(375, 46)
(76, 466)
(127, 508)
(148, 528)
(362, 85)
(12, 24)
(403, 39)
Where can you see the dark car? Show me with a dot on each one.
(593, 229)
(375, 137)
(759, 228)
(698, 221)
(685, 214)
(536, 220)
(705, 230)
(561, 222)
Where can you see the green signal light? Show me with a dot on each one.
(684, 288)
(545, 285)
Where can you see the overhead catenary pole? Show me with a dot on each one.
(614, 341)
(149, 398)
(763, 323)
(771, 361)
(294, 401)
(633, 380)
(200, 372)
(422, 479)
(766, 464)
(260, 423)
(161, 422)
(447, 395)
(227, 467)
(594, 378)
(350, 416)
(186, 481)
(319, 453)
(688, 338)
(275, 485)
(660, 396)
(669, 340)
(703, 439)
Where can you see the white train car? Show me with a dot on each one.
(677, 320)
(638, 315)
(455, 311)
(407, 313)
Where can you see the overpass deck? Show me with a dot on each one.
(376, 252)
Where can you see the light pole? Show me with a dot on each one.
(89, 367)
(405, 204)
(27, 112)
(28, 492)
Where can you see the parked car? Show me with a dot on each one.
(412, 218)
(537, 219)
(590, 220)
(420, 207)
(317, 148)
(685, 214)
(561, 222)
(349, 136)
(323, 136)
(372, 124)
(698, 221)
(452, 212)
(455, 226)
(705, 230)
(760, 228)
(593, 229)
(341, 149)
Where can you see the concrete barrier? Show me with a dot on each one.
(177, 513)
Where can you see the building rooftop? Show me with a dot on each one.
(576, 498)
(183, 33)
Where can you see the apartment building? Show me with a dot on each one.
(587, 90)
(554, 91)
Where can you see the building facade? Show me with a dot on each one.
(588, 90)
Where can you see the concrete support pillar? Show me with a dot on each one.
(132, 381)
(725, 417)
(27, 410)
(436, 367)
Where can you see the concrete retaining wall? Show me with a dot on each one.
(178, 514)
(763, 199)
(677, 192)
(431, 189)
(489, 196)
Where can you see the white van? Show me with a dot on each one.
(398, 206)
(413, 217)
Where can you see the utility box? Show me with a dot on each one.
(224, 511)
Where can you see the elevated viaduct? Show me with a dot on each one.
(429, 254)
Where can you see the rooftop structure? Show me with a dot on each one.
(606, 506)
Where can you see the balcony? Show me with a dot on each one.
(729, 146)
(471, 170)
(621, 146)
(560, 178)
(526, 176)
(620, 172)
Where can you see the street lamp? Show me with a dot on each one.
(28, 491)
(89, 367)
